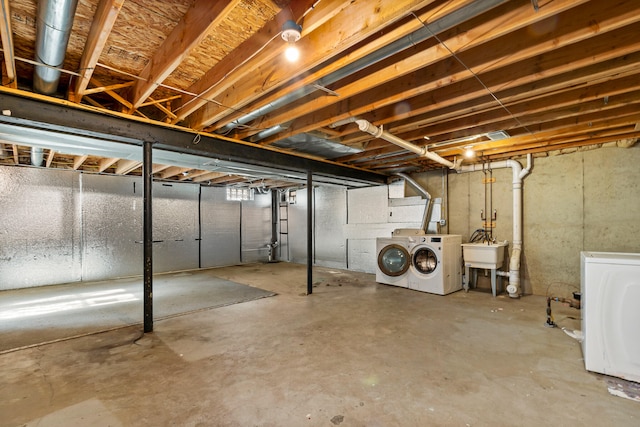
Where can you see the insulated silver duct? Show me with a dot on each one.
(55, 19)
(427, 206)
(37, 156)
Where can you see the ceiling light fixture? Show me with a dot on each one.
(468, 152)
(291, 34)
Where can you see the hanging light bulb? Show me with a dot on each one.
(291, 34)
(468, 152)
(292, 53)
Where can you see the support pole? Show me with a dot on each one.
(148, 238)
(309, 233)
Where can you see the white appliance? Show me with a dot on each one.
(610, 286)
(436, 263)
(394, 260)
(428, 263)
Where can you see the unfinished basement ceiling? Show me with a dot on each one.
(550, 74)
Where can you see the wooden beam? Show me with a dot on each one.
(505, 21)
(101, 27)
(52, 153)
(241, 58)
(106, 88)
(172, 171)
(209, 176)
(78, 161)
(194, 25)
(126, 166)
(159, 101)
(193, 174)
(106, 163)
(162, 108)
(344, 30)
(7, 47)
(157, 168)
(510, 85)
(112, 94)
(339, 62)
(533, 51)
(16, 157)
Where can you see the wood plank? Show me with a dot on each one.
(614, 19)
(16, 157)
(125, 166)
(508, 86)
(106, 163)
(425, 15)
(112, 94)
(7, 47)
(78, 161)
(157, 168)
(248, 55)
(160, 101)
(101, 26)
(172, 171)
(208, 176)
(193, 174)
(106, 88)
(50, 157)
(344, 31)
(502, 24)
(162, 108)
(194, 25)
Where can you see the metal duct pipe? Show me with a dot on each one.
(446, 22)
(365, 126)
(37, 156)
(266, 133)
(427, 206)
(55, 19)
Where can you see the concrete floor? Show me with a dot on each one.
(355, 353)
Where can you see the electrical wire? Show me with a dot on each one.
(455, 56)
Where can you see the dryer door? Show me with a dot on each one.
(425, 260)
(393, 260)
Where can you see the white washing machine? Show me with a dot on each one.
(393, 260)
(428, 263)
(436, 263)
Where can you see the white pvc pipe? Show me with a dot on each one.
(518, 174)
(378, 132)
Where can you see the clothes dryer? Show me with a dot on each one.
(393, 260)
(436, 263)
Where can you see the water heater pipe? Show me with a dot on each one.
(518, 174)
(378, 132)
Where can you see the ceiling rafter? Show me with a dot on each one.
(6, 33)
(428, 14)
(194, 25)
(344, 30)
(503, 23)
(101, 27)
(246, 56)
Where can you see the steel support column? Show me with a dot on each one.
(147, 174)
(309, 233)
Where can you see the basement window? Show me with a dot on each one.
(235, 193)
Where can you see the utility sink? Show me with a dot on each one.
(484, 255)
